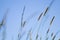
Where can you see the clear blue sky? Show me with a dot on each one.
(32, 11)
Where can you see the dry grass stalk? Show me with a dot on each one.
(24, 23)
(1, 24)
(18, 36)
(27, 36)
(36, 36)
(30, 35)
(51, 3)
(50, 24)
(46, 11)
(51, 34)
(22, 17)
(48, 31)
(52, 20)
(40, 16)
(47, 38)
(54, 37)
(4, 23)
(4, 35)
(48, 7)
(4, 19)
(40, 38)
(45, 14)
(59, 39)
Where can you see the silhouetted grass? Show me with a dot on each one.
(29, 35)
(22, 23)
(51, 34)
(4, 19)
(40, 16)
(4, 24)
(46, 10)
(59, 39)
(37, 37)
(50, 27)
(40, 38)
(55, 35)
(20, 35)
(47, 38)
(52, 20)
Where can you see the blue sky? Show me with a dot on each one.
(32, 11)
